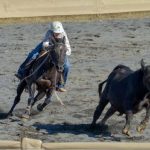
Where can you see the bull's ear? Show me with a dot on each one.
(142, 64)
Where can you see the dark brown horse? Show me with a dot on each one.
(44, 74)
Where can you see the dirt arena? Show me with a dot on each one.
(97, 47)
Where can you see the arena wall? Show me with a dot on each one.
(37, 10)
(32, 144)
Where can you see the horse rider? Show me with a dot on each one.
(57, 32)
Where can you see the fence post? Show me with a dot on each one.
(5, 144)
(27, 144)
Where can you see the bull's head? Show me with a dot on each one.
(146, 74)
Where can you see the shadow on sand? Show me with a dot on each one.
(76, 129)
(3, 115)
(100, 132)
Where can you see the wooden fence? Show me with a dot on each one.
(33, 8)
(71, 9)
(32, 144)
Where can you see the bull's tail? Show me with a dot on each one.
(100, 86)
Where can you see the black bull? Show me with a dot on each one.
(128, 92)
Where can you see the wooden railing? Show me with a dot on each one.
(71, 9)
(32, 144)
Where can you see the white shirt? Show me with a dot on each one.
(49, 34)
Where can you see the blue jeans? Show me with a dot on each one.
(22, 71)
(65, 72)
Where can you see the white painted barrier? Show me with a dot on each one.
(32, 144)
(5, 144)
(38, 8)
(96, 146)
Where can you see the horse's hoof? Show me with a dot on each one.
(24, 119)
(126, 132)
(140, 128)
(9, 115)
(25, 116)
(39, 107)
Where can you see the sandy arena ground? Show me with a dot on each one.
(97, 47)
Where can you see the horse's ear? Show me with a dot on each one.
(142, 64)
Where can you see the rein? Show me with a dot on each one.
(47, 57)
(39, 65)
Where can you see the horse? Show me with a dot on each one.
(43, 76)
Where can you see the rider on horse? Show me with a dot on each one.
(58, 33)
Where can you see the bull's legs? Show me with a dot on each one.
(108, 114)
(20, 89)
(40, 107)
(99, 109)
(129, 116)
(141, 127)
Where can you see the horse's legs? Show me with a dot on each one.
(30, 101)
(38, 97)
(49, 93)
(20, 89)
(44, 84)
(40, 107)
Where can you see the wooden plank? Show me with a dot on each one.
(5, 144)
(37, 8)
(31, 8)
(120, 6)
(28, 144)
(96, 146)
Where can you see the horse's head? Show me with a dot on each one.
(146, 75)
(58, 54)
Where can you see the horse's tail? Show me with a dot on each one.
(100, 86)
